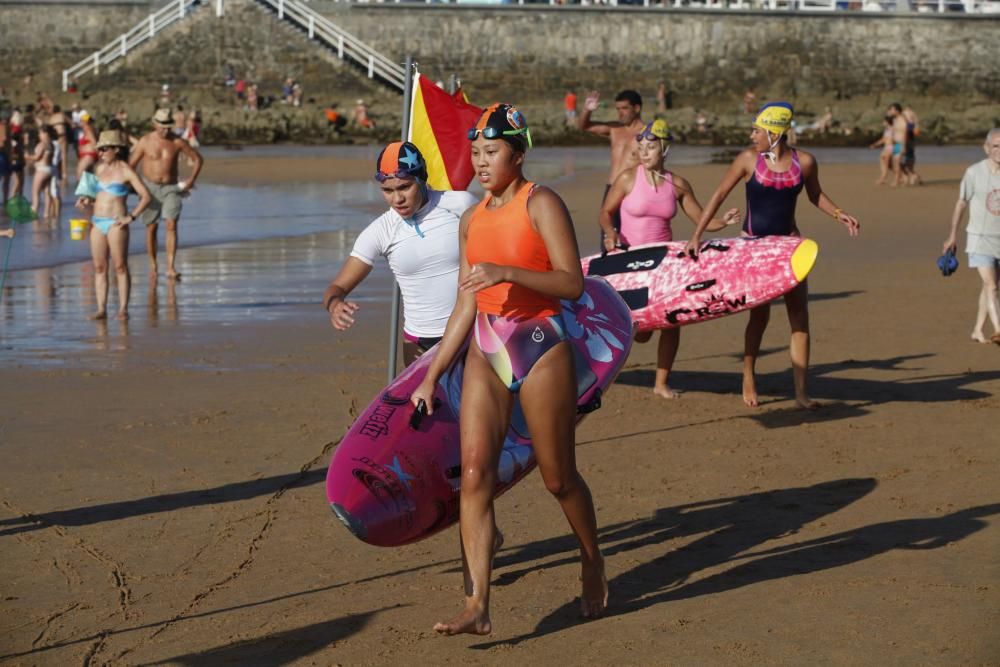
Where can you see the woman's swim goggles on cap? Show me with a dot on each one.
(490, 132)
(400, 159)
(658, 130)
(499, 121)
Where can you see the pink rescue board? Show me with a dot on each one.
(730, 275)
(395, 477)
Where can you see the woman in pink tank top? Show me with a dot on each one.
(647, 198)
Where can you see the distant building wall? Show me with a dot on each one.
(538, 50)
(534, 52)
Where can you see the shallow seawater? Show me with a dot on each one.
(247, 254)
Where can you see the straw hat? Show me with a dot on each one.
(111, 138)
(163, 117)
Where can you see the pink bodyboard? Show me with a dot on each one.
(394, 478)
(731, 275)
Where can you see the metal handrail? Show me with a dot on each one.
(173, 11)
(318, 26)
(346, 44)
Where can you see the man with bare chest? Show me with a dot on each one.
(622, 132)
(159, 151)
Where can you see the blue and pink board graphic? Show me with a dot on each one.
(395, 476)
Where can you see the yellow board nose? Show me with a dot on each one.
(804, 258)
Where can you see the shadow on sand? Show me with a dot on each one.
(278, 648)
(841, 397)
(167, 502)
(730, 529)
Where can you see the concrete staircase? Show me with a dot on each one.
(175, 19)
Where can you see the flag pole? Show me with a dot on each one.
(394, 325)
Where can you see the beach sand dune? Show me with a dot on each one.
(163, 504)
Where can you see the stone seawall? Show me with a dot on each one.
(944, 65)
(704, 55)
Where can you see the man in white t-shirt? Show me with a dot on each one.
(418, 235)
(980, 193)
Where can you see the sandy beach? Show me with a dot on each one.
(161, 498)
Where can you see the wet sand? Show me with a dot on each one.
(161, 499)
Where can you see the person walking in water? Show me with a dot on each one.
(157, 154)
(980, 194)
(621, 132)
(518, 259)
(774, 175)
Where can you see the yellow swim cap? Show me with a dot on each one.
(657, 129)
(775, 117)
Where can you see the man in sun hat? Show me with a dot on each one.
(159, 152)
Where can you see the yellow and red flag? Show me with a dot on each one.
(439, 123)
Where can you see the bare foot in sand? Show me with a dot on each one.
(472, 621)
(99, 315)
(806, 403)
(995, 338)
(666, 392)
(122, 315)
(750, 392)
(594, 596)
(980, 337)
(173, 275)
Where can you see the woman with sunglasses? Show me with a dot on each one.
(418, 236)
(109, 232)
(647, 199)
(518, 259)
(774, 175)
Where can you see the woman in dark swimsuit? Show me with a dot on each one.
(774, 175)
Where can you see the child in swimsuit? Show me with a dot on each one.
(774, 175)
(648, 198)
(109, 233)
(518, 259)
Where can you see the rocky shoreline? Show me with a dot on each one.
(857, 122)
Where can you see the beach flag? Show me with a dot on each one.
(439, 123)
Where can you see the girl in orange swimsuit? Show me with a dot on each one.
(518, 259)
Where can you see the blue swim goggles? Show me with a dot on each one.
(490, 132)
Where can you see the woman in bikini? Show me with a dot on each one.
(647, 199)
(109, 232)
(774, 175)
(518, 258)
(41, 157)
